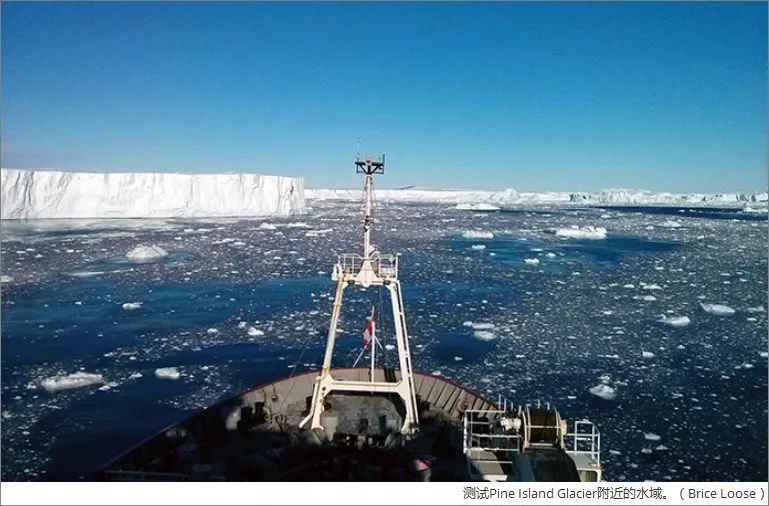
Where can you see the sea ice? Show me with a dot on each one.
(254, 332)
(477, 234)
(477, 207)
(69, 381)
(588, 232)
(6, 279)
(676, 321)
(484, 335)
(167, 373)
(478, 247)
(531, 261)
(604, 392)
(131, 305)
(142, 254)
(647, 354)
(650, 436)
(717, 309)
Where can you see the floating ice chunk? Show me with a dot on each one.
(647, 354)
(128, 306)
(645, 298)
(646, 451)
(650, 436)
(763, 354)
(85, 274)
(756, 309)
(136, 375)
(477, 234)
(6, 279)
(458, 359)
(661, 448)
(168, 373)
(478, 247)
(212, 331)
(531, 261)
(676, 321)
(254, 332)
(671, 224)
(481, 206)
(69, 381)
(484, 335)
(588, 232)
(266, 226)
(717, 309)
(479, 326)
(650, 286)
(242, 325)
(389, 347)
(298, 224)
(604, 392)
(550, 255)
(142, 254)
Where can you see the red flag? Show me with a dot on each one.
(368, 332)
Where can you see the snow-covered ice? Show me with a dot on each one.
(30, 194)
(143, 253)
(717, 309)
(69, 381)
(167, 373)
(587, 232)
(676, 321)
(604, 392)
(477, 234)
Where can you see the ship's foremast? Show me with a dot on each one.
(367, 270)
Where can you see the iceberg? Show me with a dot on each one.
(31, 194)
(468, 199)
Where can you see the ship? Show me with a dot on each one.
(372, 423)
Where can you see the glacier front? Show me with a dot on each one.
(31, 194)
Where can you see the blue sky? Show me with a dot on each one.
(535, 96)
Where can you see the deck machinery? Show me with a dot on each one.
(366, 423)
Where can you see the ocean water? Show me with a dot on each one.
(508, 309)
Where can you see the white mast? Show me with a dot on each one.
(370, 269)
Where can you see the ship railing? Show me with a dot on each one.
(582, 436)
(382, 266)
(482, 432)
(123, 475)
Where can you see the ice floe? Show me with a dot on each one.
(142, 254)
(128, 306)
(576, 232)
(167, 373)
(477, 234)
(69, 381)
(717, 309)
(604, 392)
(531, 261)
(675, 321)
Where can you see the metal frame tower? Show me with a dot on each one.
(370, 269)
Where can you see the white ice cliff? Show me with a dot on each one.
(29, 194)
